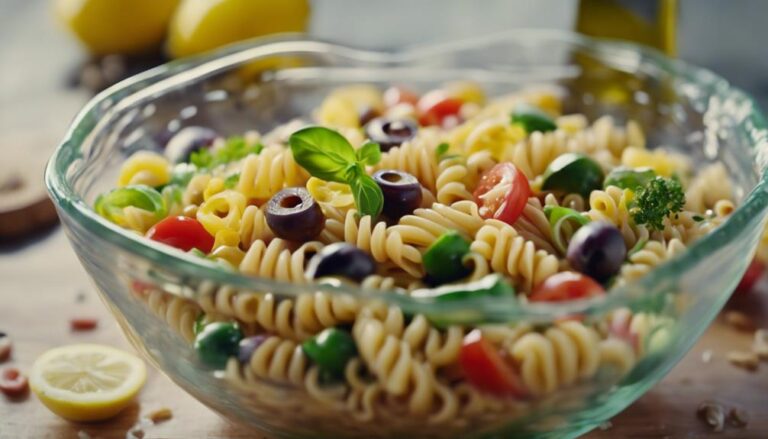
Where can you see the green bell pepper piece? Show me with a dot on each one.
(217, 342)
(626, 178)
(330, 350)
(573, 173)
(443, 260)
(532, 119)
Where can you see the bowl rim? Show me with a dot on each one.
(123, 94)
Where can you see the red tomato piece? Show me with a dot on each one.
(13, 382)
(502, 193)
(565, 286)
(399, 95)
(183, 233)
(751, 276)
(83, 324)
(437, 108)
(485, 368)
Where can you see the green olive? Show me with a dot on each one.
(330, 350)
(626, 178)
(533, 119)
(443, 260)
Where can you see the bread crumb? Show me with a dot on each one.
(760, 344)
(706, 356)
(739, 320)
(83, 435)
(745, 360)
(713, 414)
(160, 415)
(738, 417)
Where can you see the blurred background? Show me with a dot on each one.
(55, 54)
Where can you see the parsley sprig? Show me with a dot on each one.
(234, 149)
(327, 155)
(658, 199)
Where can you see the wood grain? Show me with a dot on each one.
(42, 286)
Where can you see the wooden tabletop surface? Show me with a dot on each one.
(42, 286)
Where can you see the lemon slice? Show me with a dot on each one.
(87, 382)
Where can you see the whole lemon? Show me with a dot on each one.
(117, 26)
(202, 25)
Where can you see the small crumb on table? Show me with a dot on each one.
(713, 414)
(160, 415)
(739, 320)
(743, 359)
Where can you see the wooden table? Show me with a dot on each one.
(42, 286)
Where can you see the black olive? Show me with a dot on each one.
(389, 133)
(597, 250)
(367, 114)
(187, 141)
(341, 259)
(294, 215)
(402, 192)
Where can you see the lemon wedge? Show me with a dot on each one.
(87, 382)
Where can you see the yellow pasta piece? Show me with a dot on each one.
(145, 167)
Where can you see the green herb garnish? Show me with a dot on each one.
(234, 149)
(441, 152)
(231, 181)
(658, 199)
(698, 218)
(328, 155)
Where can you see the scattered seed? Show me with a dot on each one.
(605, 425)
(83, 435)
(83, 324)
(739, 320)
(5, 347)
(12, 382)
(160, 415)
(745, 360)
(713, 414)
(760, 344)
(135, 433)
(738, 417)
(706, 356)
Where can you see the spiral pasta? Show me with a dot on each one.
(416, 157)
(253, 227)
(180, 314)
(382, 243)
(511, 254)
(262, 175)
(450, 183)
(612, 205)
(564, 354)
(425, 225)
(646, 259)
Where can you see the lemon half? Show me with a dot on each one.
(87, 382)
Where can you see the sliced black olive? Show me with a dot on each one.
(389, 133)
(402, 192)
(187, 141)
(294, 215)
(341, 259)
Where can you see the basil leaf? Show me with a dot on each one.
(369, 154)
(441, 149)
(368, 196)
(111, 204)
(231, 181)
(323, 152)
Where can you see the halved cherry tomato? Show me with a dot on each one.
(619, 328)
(485, 368)
(183, 233)
(437, 108)
(399, 95)
(502, 193)
(751, 276)
(566, 286)
(13, 382)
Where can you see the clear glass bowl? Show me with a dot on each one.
(154, 291)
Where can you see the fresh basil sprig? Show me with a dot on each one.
(327, 155)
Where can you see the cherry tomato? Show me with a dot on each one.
(751, 276)
(485, 368)
(5, 347)
(12, 382)
(399, 95)
(619, 328)
(565, 286)
(437, 108)
(183, 233)
(502, 193)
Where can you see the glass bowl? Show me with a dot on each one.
(156, 293)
